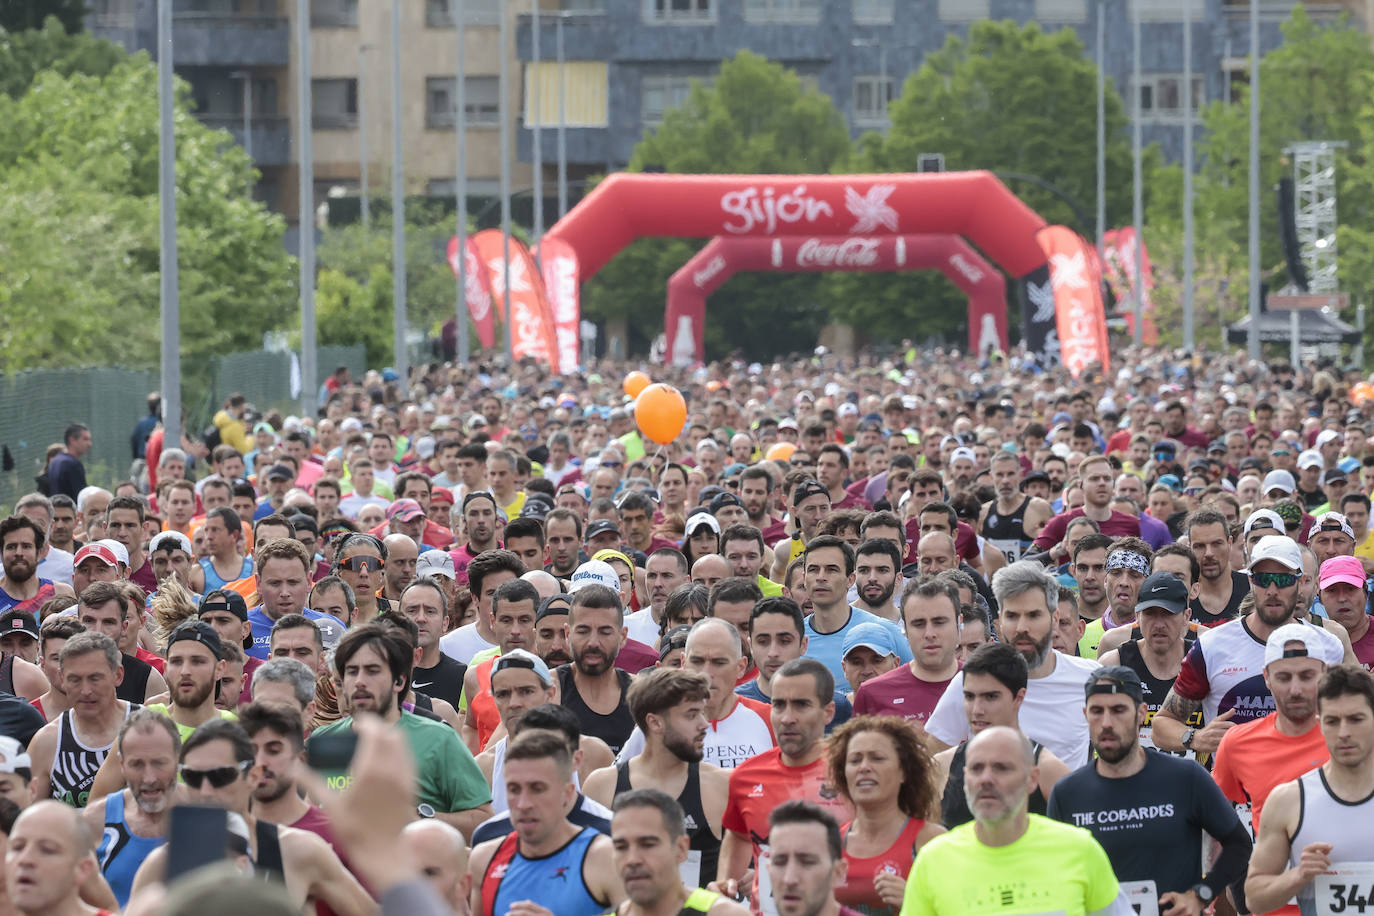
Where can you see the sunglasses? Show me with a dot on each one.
(1279, 580)
(608, 464)
(361, 564)
(218, 777)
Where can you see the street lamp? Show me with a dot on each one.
(363, 164)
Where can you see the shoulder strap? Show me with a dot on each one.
(622, 777)
(496, 870)
(269, 862)
(7, 672)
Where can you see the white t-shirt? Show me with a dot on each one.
(352, 504)
(643, 627)
(1051, 714)
(463, 643)
(744, 733)
(56, 565)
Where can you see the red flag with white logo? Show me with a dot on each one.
(1079, 317)
(476, 289)
(1119, 251)
(531, 323)
(558, 262)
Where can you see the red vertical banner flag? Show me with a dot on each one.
(476, 289)
(531, 324)
(1119, 249)
(558, 262)
(1080, 320)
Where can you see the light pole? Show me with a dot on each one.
(398, 216)
(1188, 340)
(306, 207)
(503, 81)
(1253, 341)
(1101, 125)
(247, 106)
(537, 126)
(1137, 196)
(364, 166)
(562, 117)
(170, 303)
(460, 182)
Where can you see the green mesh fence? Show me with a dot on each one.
(36, 406)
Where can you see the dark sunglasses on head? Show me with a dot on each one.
(218, 777)
(608, 464)
(359, 564)
(1281, 580)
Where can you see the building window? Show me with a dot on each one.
(660, 93)
(483, 101)
(688, 11)
(872, 95)
(793, 12)
(1069, 11)
(334, 14)
(1161, 96)
(1172, 10)
(964, 10)
(873, 12)
(334, 104)
(439, 13)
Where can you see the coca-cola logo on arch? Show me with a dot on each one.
(856, 252)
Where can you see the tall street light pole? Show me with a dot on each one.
(1188, 253)
(534, 86)
(306, 206)
(364, 155)
(504, 92)
(398, 220)
(562, 117)
(460, 180)
(1101, 125)
(170, 302)
(1137, 193)
(1253, 341)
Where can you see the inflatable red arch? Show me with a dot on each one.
(631, 205)
(685, 319)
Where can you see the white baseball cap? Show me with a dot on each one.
(1264, 519)
(594, 572)
(1278, 479)
(1316, 643)
(1279, 548)
(1326, 436)
(1311, 459)
(435, 563)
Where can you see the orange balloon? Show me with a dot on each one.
(1362, 391)
(780, 451)
(635, 382)
(660, 412)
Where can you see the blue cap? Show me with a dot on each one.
(875, 636)
(1349, 465)
(1171, 481)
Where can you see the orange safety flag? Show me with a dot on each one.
(1079, 317)
(562, 283)
(476, 289)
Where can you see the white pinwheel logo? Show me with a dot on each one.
(1042, 297)
(871, 210)
(1069, 270)
(519, 283)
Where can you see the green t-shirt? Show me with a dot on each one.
(768, 586)
(186, 730)
(449, 779)
(1052, 868)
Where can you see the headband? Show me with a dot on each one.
(478, 494)
(1128, 559)
(1300, 652)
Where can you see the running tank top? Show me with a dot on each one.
(954, 808)
(7, 674)
(1324, 818)
(1007, 532)
(616, 728)
(45, 591)
(499, 803)
(74, 765)
(121, 852)
(213, 580)
(857, 890)
(704, 849)
(1156, 689)
(555, 881)
(698, 902)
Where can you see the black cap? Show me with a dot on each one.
(805, 490)
(1331, 474)
(599, 527)
(196, 631)
(1162, 590)
(676, 638)
(1115, 679)
(224, 599)
(279, 472)
(1036, 477)
(722, 500)
(18, 621)
(1216, 445)
(537, 505)
(553, 606)
(1165, 445)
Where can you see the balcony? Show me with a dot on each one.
(1280, 10)
(271, 135)
(214, 39)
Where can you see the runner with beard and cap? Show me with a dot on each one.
(651, 843)
(1314, 843)
(133, 822)
(21, 541)
(1149, 811)
(670, 709)
(551, 630)
(1254, 758)
(1028, 597)
(1128, 563)
(1223, 673)
(1012, 520)
(1345, 596)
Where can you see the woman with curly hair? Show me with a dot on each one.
(880, 767)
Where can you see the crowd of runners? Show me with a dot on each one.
(910, 634)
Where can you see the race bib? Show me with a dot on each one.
(1345, 888)
(1010, 547)
(1142, 896)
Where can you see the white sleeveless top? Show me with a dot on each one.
(498, 778)
(1324, 818)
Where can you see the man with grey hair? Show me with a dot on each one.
(1028, 598)
(90, 512)
(288, 681)
(54, 563)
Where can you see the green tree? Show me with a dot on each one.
(1008, 99)
(25, 54)
(755, 117)
(79, 232)
(20, 15)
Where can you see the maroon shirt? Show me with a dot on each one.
(143, 576)
(965, 541)
(1119, 525)
(634, 656)
(1364, 650)
(899, 693)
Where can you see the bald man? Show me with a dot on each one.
(544, 583)
(51, 854)
(438, 851)
(709, 570)
(401, 557)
